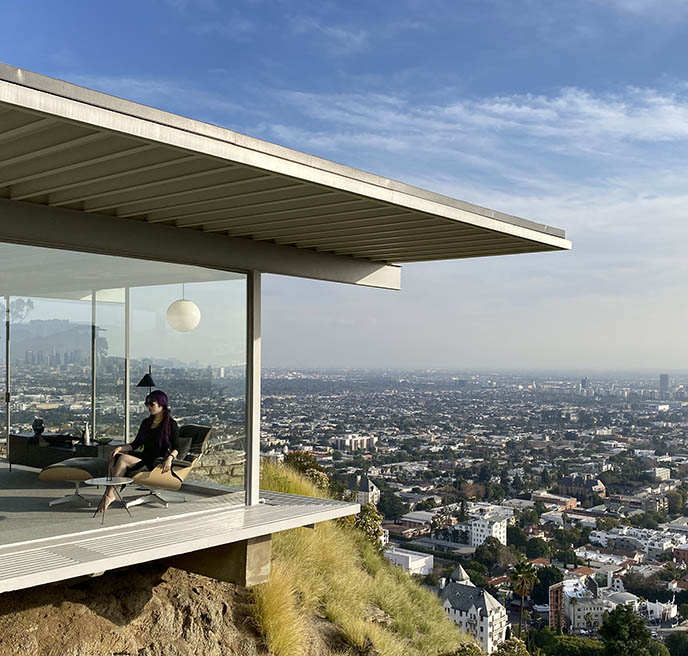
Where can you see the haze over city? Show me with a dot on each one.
(571, 114)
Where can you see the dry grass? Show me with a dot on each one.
(278, 615)
(334, 571)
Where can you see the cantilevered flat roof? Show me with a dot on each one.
(64, 146)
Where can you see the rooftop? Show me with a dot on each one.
(81, 152)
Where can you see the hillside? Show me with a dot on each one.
(330, 593)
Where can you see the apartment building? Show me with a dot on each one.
(354, 442)
(561, 502)
(487, 526)
(652, 543)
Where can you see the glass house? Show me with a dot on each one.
(133, 241)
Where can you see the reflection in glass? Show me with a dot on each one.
(50, 356)
(110, 363)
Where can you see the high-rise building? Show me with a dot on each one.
(584, 383)
(663, 385)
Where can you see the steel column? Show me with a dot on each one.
(94, 335)
(7, 379)
(253, 388)
(127, 365)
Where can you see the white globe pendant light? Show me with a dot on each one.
(183, 315)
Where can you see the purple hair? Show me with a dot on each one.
(161, 399)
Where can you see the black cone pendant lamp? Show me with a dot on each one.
(147, 381)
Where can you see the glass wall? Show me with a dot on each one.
(202, 371)
(110, 357)
(85, 329)
(50, 340)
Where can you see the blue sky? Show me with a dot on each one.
(573, 113)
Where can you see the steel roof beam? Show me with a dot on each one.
(105, 178)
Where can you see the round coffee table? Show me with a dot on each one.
(115, 481)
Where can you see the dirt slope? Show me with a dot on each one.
(142, 611)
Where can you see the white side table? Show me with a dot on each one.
(115, 481)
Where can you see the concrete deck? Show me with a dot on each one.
(40, 545)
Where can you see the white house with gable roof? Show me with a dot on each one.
(476, 611)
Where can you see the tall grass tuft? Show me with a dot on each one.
(279, 618)
(337, 572)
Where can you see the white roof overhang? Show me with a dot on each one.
(83, 170)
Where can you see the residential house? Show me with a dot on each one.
(412, 562)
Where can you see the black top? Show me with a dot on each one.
(149, 438)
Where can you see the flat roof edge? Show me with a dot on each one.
(57, 87)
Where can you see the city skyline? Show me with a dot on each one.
(577, 118)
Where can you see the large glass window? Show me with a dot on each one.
(110, 358)
(85, 329)
(202, 371)
(51, 363)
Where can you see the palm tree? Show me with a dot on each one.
(523, 578)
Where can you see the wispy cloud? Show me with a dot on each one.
(634, 114)
(165, 94)
(571, 140)
(184, 5)
(607, 167)
(235, 28)
(654, 9)
(337, 39)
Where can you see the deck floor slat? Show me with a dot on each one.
(84, 547)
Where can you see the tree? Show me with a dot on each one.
(658, 649)
(426, 504)
(467, 649)
(441, 519)
(537, 548)
(624, 632)
(676, 501)
(523, 577)
(546, 478)
(683, 612)
(391, 506)
(605, 523)
(431, 579)
(369, 520)
(547, 576)
(19, 309)
(301, 461)
(516, 537)
(463, 511)
(553, 644)
(512, 647)
(320, 479)
(484, 474)
(677, 643)
(488, 552)
(478, 579)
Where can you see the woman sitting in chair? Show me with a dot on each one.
(157, 433)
